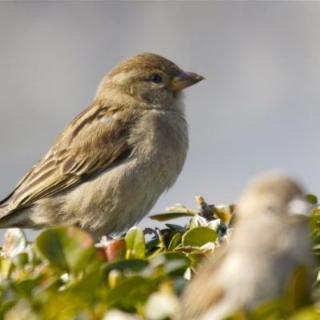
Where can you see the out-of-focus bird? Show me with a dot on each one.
(109, 166)
(269, 243)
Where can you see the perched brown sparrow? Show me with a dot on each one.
(269, 243)
(109, 166)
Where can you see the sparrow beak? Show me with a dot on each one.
(184, 80)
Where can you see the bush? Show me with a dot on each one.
(64, 275)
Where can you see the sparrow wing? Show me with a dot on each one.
(94, 141)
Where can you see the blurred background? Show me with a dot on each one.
(258, 109)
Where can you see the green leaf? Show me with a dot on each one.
(270, 310)
(308, 313)
(6, 267)
(67, 248)
(21, 259)
(132, 265)
(135, 243)
(311, 198)
(170, 215)
(175, 241)
(297, 294)
(131, 292)
(199, 236)
(172, 263)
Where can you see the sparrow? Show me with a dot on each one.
(106, 170)
(270, 242)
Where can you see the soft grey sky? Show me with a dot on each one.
(258, 109)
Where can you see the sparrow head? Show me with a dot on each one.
(148, 77)
(275, 193)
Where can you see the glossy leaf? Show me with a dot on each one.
(199, 236)
(170, 215)
(135, 243)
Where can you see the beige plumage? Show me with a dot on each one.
(269, 243)
(109, 166)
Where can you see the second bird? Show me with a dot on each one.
(269, 249)
(109, 166)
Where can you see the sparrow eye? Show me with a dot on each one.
(156, 78)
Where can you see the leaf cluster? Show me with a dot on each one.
(63, 274)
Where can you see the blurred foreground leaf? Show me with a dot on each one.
(311, 198)
(67, 248)
(63, 275)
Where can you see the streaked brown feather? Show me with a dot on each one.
(75, 154)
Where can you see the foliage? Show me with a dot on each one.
(64, 275)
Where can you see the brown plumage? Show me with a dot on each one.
(269, 244)
(108, 167)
